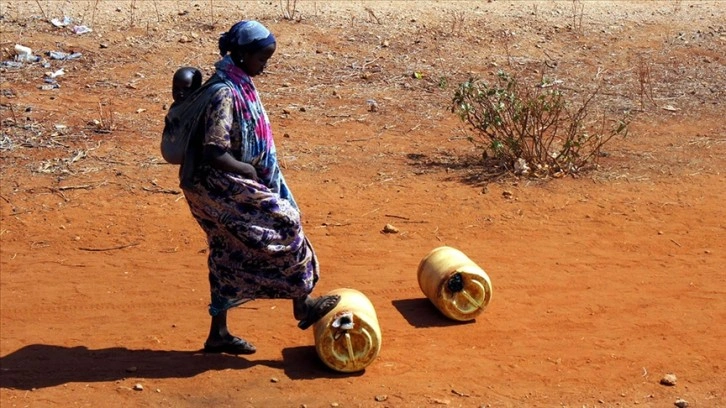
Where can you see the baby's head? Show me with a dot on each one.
(186, 80)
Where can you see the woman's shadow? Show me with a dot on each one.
(41, 365)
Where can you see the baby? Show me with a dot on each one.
(186, 80)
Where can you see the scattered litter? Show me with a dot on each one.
(48, 87)
(25, 54)
(55, 74)
(81, 30)
(61, 23)
(12, 64)
(65, 56)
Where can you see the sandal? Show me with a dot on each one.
(320, 307)
(234, 346)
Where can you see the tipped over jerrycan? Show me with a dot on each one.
(348, 337)
(457, 286)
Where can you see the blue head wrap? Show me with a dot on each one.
(245, 36)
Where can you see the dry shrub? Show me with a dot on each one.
(534, 129)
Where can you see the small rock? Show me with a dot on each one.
(507, 194)
(381, 398)
(372, 105)
(274, 380)
(390, 229)
(669, 380)
(681, 403)
(334, 404)
(138, 387)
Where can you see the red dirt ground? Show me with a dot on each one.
(603, 283)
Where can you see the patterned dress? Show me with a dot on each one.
(257, 248)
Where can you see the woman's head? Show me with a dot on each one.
(250, 45)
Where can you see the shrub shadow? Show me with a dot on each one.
(470, 169)
(422, 313)
(40, 365)
(303, 363)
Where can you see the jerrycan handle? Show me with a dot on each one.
(455, 284)
(343, 322)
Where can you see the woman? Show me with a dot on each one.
(236, 192)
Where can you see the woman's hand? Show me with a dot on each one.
(222, 160)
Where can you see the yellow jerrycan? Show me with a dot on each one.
(348, 338)
(459, 288)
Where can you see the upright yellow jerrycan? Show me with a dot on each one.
(459, 288)
(348, 337)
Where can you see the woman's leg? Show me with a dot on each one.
(218, 331)
(220, 340)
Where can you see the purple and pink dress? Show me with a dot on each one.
(257, 248)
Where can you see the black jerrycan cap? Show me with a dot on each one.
(455, 283)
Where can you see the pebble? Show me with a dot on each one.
(274, 380)
(138, 387)
(681, 403)
(381, 398)
(669, 380)
(390, 229)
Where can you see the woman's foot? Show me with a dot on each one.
(311, 309)
(229, 345)
(221, 341)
